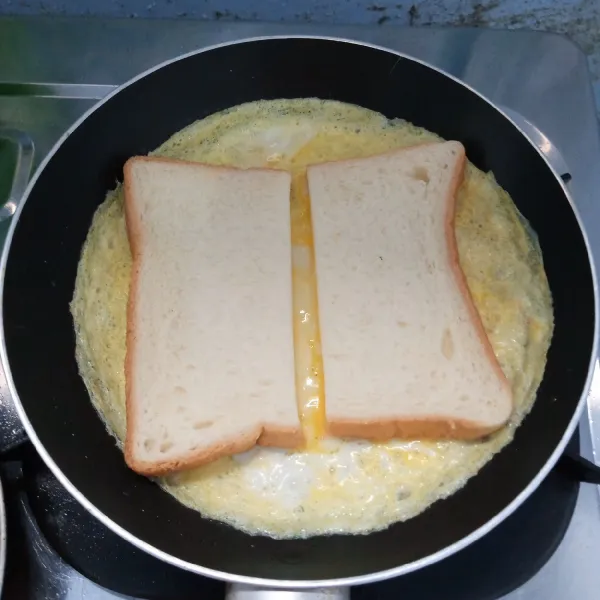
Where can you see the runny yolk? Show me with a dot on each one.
(310, 385)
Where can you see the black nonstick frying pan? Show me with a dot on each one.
(44, 245)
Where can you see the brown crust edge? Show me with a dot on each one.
(264, 435)
(426, 428)
(434, 427)
(286, 438)
(133, 235)
(461, 279)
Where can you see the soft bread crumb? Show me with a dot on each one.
(209, 314)
(404, 350)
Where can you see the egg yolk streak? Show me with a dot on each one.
(310, 384)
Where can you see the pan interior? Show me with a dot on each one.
(42, 264)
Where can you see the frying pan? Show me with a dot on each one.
(40, 259)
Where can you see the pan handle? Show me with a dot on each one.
(578, 468)
(238, 591)
(20, 178)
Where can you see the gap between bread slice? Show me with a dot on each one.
(209, 366)
(404, 350)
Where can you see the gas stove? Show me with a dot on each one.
(53, 70)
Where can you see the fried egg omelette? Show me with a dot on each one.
(334, 486)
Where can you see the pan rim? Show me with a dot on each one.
(281, 583)
(3, 537)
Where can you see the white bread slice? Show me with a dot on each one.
(209, 366)
(404, 350)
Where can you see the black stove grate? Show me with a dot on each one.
(57, 525)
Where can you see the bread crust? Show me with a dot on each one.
(433, 427)
(425, 428)
(134, 235)
(459, 275)
(287, 438)
(264, 435)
